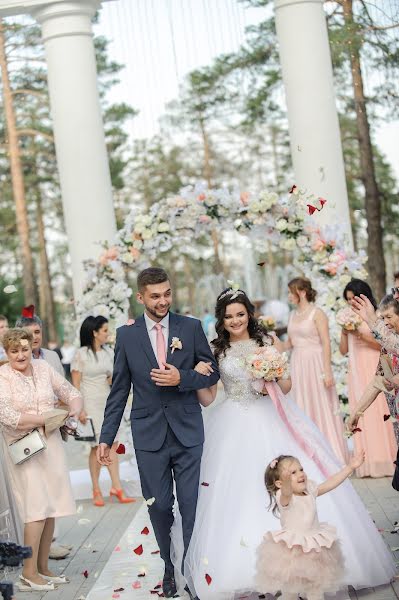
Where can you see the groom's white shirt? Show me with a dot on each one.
(152, 332)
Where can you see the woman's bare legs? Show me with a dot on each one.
(32, 536)
(44, 548)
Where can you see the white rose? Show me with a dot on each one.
(139, 228)
(301, 241)
(127, 258)
(288, 244)
(292, 227)
(281, 224)
(344, 280)
(146, 234)
(137, 244)
(162, 227)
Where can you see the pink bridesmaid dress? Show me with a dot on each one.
(377, 436)
(317, 401)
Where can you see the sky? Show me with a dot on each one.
(160, 41)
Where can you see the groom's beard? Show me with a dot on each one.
(155, 314)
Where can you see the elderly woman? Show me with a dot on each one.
(41, 485)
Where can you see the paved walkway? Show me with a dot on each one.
(95, 532)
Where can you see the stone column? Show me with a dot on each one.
(312, 114)
(78, 128)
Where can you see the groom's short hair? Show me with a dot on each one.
(151, 276)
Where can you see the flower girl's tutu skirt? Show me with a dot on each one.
(291, 566)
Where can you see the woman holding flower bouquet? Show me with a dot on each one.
(257, 421)
(377, 436)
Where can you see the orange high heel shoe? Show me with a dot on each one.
(98, 499)
(121, 498)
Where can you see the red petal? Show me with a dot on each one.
(85, 573)
(311, 209)
(292, 189)
(120, 590)
(356, 430)
(28, 311)
(386, 417)
(138, 550)
(145, 531)
(208, 579)
(141, 575)
(121, 449)
(158, 586)
(322, 202)
(205, 484)
(262, 264)
(155, 552)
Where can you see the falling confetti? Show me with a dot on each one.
(145, 531)
(205, 484)
(138, 550)
(120, 590)
(121, 449)
(208, 579)
(136, 585)
(155, 552)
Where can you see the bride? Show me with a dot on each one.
(242, 435)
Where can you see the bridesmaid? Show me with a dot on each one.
(313, 386)
(377, 437)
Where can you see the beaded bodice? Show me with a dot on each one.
(235, 378)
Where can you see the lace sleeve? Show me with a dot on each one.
(388, 339)
(66, 392)
(77, 361)
(9, 417)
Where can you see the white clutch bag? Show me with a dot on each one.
(23, 449)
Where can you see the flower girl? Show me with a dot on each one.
(304, 557)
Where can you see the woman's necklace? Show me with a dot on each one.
(300, 313)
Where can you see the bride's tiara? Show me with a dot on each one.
(234, 291)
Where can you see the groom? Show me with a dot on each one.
(157, 355)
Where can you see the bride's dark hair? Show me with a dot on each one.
(255, 329)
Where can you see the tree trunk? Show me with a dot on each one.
(17, 179)
(375, 248)
(47, 311)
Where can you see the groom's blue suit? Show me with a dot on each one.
(167, 426)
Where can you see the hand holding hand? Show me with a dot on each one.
(205, 368)
(168, 377)
(103, 455)
(357, 460)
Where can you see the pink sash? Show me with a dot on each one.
(274, 392)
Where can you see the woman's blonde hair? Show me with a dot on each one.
(13, 337)
(303, 284)
(272, 474)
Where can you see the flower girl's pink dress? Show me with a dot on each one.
(318, 402)
(304, 556)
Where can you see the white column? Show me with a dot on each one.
(78, 129)
(312, 114)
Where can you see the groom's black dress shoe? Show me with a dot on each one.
(169, 584)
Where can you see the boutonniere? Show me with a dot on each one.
(176, 344)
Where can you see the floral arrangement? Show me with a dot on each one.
(267, 322)
(348, 319)
(266, 364)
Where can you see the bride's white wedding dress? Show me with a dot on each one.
(242, 435)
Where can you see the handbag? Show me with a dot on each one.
(26, 447)
(85, 432)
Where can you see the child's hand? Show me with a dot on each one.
(357, 460)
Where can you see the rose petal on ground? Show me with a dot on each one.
(85, 573)
(138, 550)
(145, 531)
(155, 552)
(208, 579)
(121, 449)
(136, 585)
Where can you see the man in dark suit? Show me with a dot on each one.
(157, 355)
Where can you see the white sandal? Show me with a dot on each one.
(28, 586)
(61, 579)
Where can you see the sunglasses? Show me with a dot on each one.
(395, 290)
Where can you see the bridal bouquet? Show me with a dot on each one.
(348, 319)
(267, 322)
(266, 364)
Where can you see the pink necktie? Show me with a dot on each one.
(161, 351)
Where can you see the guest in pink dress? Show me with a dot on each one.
(313, 386)
(377, 436)
(40, 485)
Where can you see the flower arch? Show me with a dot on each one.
(183, 221)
